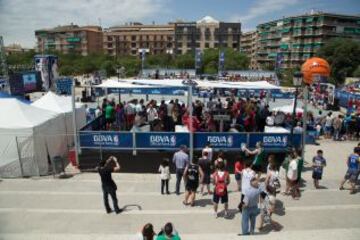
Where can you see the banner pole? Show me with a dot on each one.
(191, 143)
(74, 123)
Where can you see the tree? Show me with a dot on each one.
(185, 61)
(343, 57)
(357, 72)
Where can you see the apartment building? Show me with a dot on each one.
(131, 38)
(70, 39)
(298, 38)
(206, 33)
(249, 45)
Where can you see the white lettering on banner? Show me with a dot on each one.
(221, 141)
(275, 141)
(106, 139)
(163, 140)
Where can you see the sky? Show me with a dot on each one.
(20, 18)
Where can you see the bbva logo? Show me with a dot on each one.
(220, 140)
(106, 138)
(275, 140)
(163, 140)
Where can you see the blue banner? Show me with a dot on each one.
(152, 91)
(274, 140)
(106, 139)
(219, 140)
(159, 140)
(221, 61)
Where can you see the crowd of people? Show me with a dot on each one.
(244, 114)
(258, 177)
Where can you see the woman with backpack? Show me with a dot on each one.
(193, 174)
(221, 180)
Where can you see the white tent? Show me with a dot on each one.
(63, 106)
(29, 136)
(288, 109)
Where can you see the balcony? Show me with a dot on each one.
(73, 39)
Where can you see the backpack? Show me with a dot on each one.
(220, 184)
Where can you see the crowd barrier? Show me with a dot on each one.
(172, 141)
(344, 97)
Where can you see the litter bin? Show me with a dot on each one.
(58, 165)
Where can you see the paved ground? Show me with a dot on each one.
(47, 208)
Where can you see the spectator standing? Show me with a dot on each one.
(337, 123)
(109, 187)
(193, 174)
(238, 168)
(221, 180)
(209, 151)
(328, 125)
(151, 114)
(109, 116)
(181, 160)
(250, 209)
(164, 170)
(319, 163)
(205, 164)
(352, 172)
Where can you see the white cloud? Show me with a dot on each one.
(20, 18)
(264, 7)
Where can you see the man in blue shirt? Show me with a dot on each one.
(250, 207)
(352, 173)
(319, 163)
(181, 160)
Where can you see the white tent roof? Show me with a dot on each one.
(129, 83)
(51, 101)
(288, 109)
(15, 114)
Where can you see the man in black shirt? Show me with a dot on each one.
(108, 185)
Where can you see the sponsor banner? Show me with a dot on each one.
(152, 91)
(272, 140)
(158, 140)
(106, 139)
(219, 140)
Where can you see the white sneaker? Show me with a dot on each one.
(216, 214)
(226, 214)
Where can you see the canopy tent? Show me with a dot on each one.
(63, 106)
(7, 95)
(29, 136)
(288, 109)
(260, 85)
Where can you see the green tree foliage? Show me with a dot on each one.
(74, 64)
(357, 72)
(343, 57)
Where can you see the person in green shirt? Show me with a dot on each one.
(168, 233)
(109, 115)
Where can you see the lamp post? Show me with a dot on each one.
(297, 80)
(190, 84)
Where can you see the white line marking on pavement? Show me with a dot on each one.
(166, 212)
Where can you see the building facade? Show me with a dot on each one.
(130, 39)
(206, 33)
(15, 48)
(298, 38)
(70, 39)
(249, 45)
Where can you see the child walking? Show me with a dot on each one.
(319, 163)
(164, 176)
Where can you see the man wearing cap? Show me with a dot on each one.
(181, 160)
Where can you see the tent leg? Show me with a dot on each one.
(19, 156)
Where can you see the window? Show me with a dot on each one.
(109, 38)
(206, 45)
(110, 45)
(133, 45)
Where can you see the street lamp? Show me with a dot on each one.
(297, 80)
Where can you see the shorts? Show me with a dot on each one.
(238, 176)
(217, 198)
(328, 129)
(352, 175)
(317, 175)
(256, 168)
(191, 186)
(206, 179)
(109, 120)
